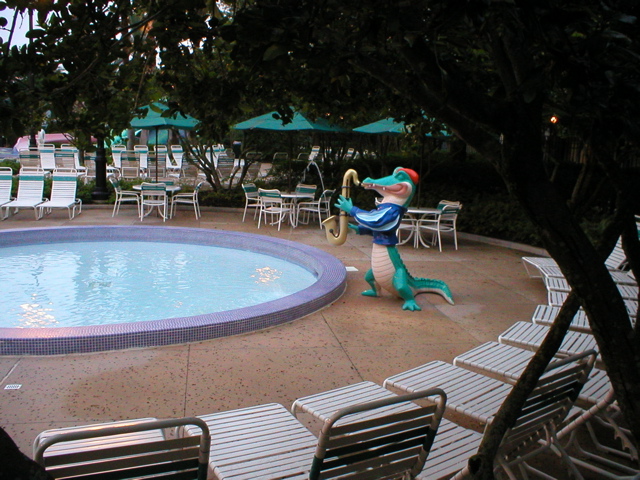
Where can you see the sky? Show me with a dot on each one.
(22, 26)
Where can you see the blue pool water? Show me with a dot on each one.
(78, 284)
(102, 276)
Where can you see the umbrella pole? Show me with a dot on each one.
(156, 154)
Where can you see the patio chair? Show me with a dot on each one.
(321, 208)
(546, 315)
(63, 193)
(557, 298)
(375, 439)
(251, 199)
(479, 398)
(154, 195)
(190, 198)
(123, 196)
(47, 156)
(443, 222)
(30, 193)
(124, 450)
(6, 184)
(272, 204)
(65, 158)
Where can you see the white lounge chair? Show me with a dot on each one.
(142, 155)
(6, 184)
(125, 450)
(506, 363)
(63, 193)
(479, 398)
(47, 156)
(537, 267)
(177, 153)
(546, 315)
(557, 299)
(30, 193)
(375, 439)
(29, 157)
(560, 284)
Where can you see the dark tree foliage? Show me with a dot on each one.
(494, 72)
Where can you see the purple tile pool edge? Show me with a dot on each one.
(330, 285)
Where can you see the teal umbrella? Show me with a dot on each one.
(300, 122)
(385, 126)
(156, 119)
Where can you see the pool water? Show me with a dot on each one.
(96, 283)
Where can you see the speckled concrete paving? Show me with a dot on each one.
(357, 338)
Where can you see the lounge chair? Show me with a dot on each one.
(546, 315)
(47, 156)
(124, 450)
(6, 184)
(479, 398)
(376, 439)
(63, 193)
(29, 157)
(537, 267)
(506, 363)
(560, 284)
(529, 336)
(30, 193)
(557, 298)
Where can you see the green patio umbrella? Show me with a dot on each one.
(299, 122)
(156, 119)
(386, 126)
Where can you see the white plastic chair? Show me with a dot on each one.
(190, 198)
(444, 222)
(154, 195)
(272, 204)
(251, 199)
(47, 156)
(63, 193)
(177, 153)
(142, 154)
(123, 196)
(321, 208)
(116, 154)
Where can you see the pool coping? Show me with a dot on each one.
(330, 286)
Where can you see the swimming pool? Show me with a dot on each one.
(330, 284)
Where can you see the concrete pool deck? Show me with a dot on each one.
(354, 339)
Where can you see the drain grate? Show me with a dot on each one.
(13, 386)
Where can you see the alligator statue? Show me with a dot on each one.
(387, 269)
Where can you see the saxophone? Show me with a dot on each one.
(331, 224)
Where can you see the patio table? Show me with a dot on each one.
(417, 215)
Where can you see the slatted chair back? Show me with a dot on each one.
(64, 185)
(65, 159)
(130, 165)
(617, 259)
(364, 441)
(80, 455)
(47, 156)
(309, 190)
(29, 157)
(548, 405)
(177, 153)
(142, 153)
(116, 154)
(6, 184)
(30, 185)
